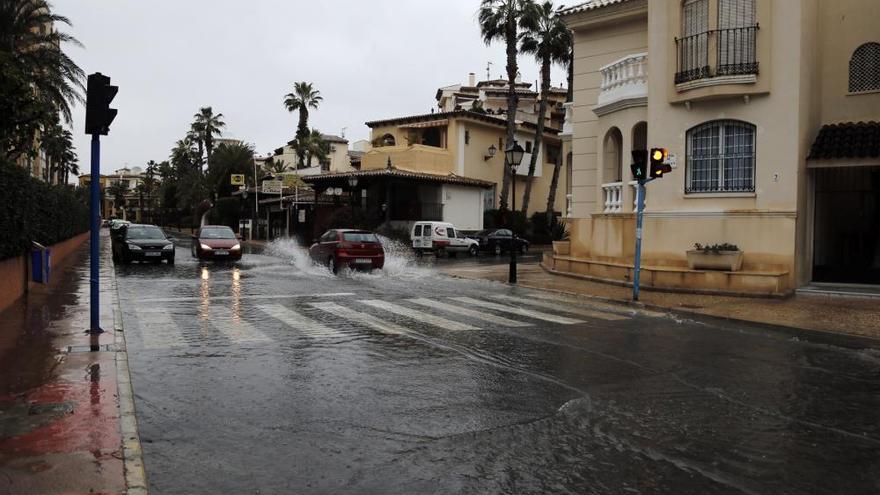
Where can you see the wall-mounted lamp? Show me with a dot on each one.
(490, 152)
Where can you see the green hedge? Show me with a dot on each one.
(31, 210)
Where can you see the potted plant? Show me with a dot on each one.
(560, 235)
(723, 256)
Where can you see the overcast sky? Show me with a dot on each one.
(370, 59)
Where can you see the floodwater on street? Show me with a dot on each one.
(271, 375)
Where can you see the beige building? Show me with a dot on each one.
(338, 159)
(769, 108)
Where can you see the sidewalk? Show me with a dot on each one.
(824, 313)
(61, 425)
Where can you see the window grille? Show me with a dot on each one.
(693, 47)
(721, 157)
(864, 68)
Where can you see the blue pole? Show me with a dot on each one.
(95, 188)
(640, 210)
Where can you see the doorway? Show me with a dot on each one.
(846, 242)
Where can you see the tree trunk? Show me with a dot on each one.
(510, 33)
(302, 132)
(570, 96)
(539, 132)
(209, 147)
(554, 183)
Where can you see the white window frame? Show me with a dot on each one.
(721, 158)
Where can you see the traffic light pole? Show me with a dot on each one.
(95, 215)
(640, 211)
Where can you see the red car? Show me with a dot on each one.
(216, 242)
(356, 249)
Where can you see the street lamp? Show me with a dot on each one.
(513, 156)
(490, 152)
(352, 183)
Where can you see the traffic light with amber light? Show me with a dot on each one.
(99, 94)
(639, 165)
(658, 163)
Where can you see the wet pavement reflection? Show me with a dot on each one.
(271, 375)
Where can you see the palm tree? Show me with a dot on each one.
(117, 192)
(554, 182)
(207, 125)
(38, 80)
(315, 146)
(303, 97)
(275, 167)
(149, 184)
(499, 21)
(231, 159)
(549, 40)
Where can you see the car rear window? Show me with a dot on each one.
(217, 233)
(418, 231)
(359, 237)
(144, 233)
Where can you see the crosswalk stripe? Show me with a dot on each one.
(236, 329)
(517, 311)
(299, 322)
(500, 320)
(418, 315)
(559, 307)
(600, 306)
(358, 317)
(158, 330)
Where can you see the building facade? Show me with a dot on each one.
(769, 108)
(338, 159)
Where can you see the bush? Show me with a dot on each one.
(226, 212)
(32, 210)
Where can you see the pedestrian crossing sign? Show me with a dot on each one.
(237, 179)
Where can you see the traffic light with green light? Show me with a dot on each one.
(658, 163)
(639, 165)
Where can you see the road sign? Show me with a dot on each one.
(237, 179)
(292, 180)
(272, 186)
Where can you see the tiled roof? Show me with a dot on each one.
(398, 173)
(847, 140)
(502, 121)
(330, 138)
(590, 5)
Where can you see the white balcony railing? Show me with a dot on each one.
(635, 186)
(568, 206)
(624, 83)
(568, 125)
(613, 197)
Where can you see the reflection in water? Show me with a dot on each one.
(236, 294)
(204, 301)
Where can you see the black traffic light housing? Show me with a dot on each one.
(658, 163)
(639, 165)
(99, 94)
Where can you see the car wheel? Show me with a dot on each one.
(497, 249)
(126, 260)
(192, 251)
(419, 253)
(171, 260)
(472, 251)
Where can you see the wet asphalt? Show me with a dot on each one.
(273, 376)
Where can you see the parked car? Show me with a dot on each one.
(497, 241)
(216, 242)
(117, 229)
(356, 249)
(441, 238)
(137, 242)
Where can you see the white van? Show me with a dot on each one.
(441, 238)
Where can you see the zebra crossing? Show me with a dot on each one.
(264, 321)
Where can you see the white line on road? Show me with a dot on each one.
(235, 328)
(500, 320)
(229, 298)
(418, 315)
(299, 322)
(358, 317)
(599, 305)
(158, 330)
(517, 311)
(562, 308)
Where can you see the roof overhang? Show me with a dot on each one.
(598, 12)
(322, 180)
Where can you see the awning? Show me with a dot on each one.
(424, 125)
(322, 180)
(848, 140)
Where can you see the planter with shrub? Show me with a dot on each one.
(725, 257)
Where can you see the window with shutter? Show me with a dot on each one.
(693, 47)
(737, 31)
(864, 68)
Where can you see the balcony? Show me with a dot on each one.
(415, 158)
(720, 53)
(613, 197)
(624, 84)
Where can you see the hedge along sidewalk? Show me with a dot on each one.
(835, 314)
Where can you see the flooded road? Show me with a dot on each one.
(273, 376)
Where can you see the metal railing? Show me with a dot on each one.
(735, 54)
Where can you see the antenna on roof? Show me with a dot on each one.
(343, 131)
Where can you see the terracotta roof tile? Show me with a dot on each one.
(398, 173)
(847, 140)
(590, 5)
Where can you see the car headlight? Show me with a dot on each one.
(169, 247)
(236, 247)
(205, 247)
(134, 247)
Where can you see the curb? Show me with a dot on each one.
(133, 462)
(849, 340)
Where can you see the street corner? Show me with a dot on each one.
(63, 436)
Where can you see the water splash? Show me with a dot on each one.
(290, 251)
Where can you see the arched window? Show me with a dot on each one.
(388, 140)
(721, 157)
(864, 68)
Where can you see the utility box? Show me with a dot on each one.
(40, 263)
